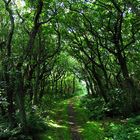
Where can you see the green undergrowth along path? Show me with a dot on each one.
(89, 129)
(106, 128)
(57, 122)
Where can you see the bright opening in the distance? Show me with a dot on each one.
(20, 3)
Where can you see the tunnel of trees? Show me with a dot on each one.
(49, 49)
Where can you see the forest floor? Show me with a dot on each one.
(64, 122)
(69, 121)
(74, 127)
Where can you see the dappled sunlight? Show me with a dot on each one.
(80, 130)
(52, 123)
(58, 123)
(60, 126)
(93, 130)
(69, 70)
(46, 137)
(50, 138)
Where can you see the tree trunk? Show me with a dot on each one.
(73, 86)
(56, 87)
(87, 87)
(130, 87)
(20, 99)
(90, 82)
(61, 87)
(36, 87)
(9, 92)
(99, 82)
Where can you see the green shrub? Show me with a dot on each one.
(93, 130)
(116, 103)
(36, 124)
(96, 107)
(7, 132)
(126, 131)
(135, 120)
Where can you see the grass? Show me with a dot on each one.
(93, 130)
(88, 129)
(107, 129)
(57, 122)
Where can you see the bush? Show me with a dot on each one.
(96, 107)
(122, 131)
(8, 133)
(36, 124)
(116, 103)
(93, 130)
(135, 120)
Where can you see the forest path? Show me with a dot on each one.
(69, 120)
(74, 127)
(63, 121)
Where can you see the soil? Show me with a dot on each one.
(73, 124)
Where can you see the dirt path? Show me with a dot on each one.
(73, 124)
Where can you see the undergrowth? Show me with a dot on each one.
(104, 126)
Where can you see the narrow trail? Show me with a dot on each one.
(63, 122)
(73, 124)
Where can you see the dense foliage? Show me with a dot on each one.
(48, 49)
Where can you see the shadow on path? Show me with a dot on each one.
(73, 124)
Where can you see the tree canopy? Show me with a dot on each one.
(48, 49)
